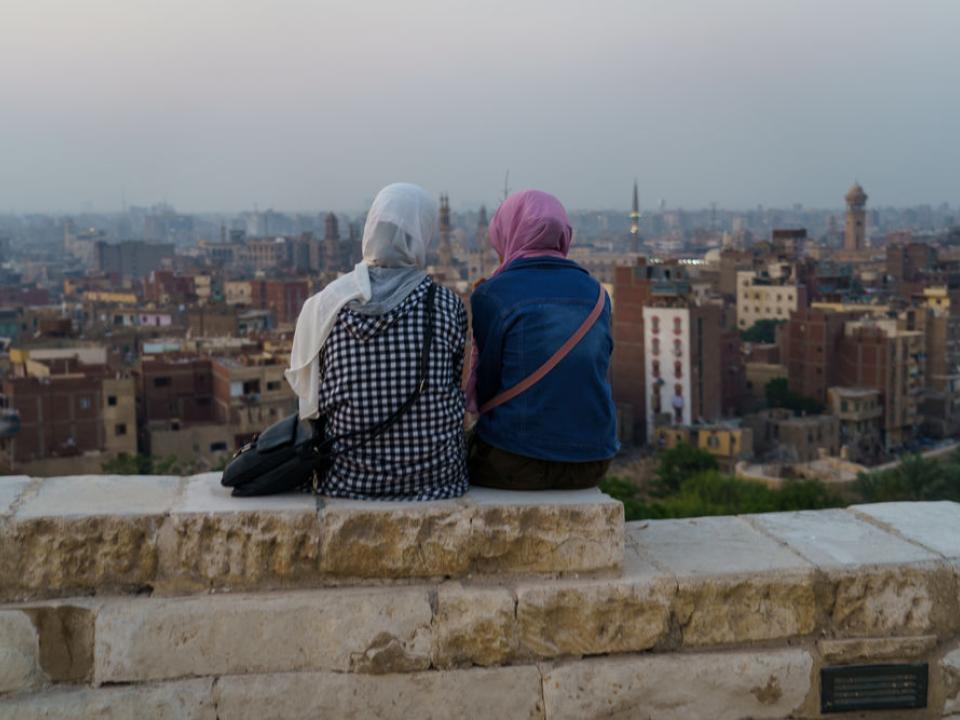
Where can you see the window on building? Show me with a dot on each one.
(678, 369)
(677, 326)
(120, 429)
(656, 368)
(273, 385)
(85, 403)
(112, 400)
(843, 406)
(161, 382)
(218, 446)
(655, 346)
(713, 441)
(678, 347)
(655, 324)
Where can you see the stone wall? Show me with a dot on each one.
(164, 598)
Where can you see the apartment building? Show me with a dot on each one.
(766, 295)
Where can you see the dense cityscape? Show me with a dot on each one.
(783, 342)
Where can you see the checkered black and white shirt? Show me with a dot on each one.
(369, 365)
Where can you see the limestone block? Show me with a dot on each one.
(864, 650)
(19, 652)
(935, 525)
(875, 583)
(59, 556)
(189, 700)
(372, 630)
(474, 626)
(214, 541)
(719, 686)
(394, 539)
(590, 617)
(66, 639)
(745, 608)
(11, 488)
(876, 601)
(950, 666)
(837, 538)
(96, 495)
(560, 531)
(710, 546)
(84, 534)
(735, 584)
(480, 693)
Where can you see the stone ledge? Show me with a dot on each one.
(185, 700)
(685, 584)
(484, 693)
(110, 534)
(19, 652)
(719, 686)
(372, 630)
(870, 581)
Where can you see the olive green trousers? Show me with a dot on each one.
(495, 468)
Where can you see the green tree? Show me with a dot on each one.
(125, 464)
(679, 463)
(762, 331)
(779, 395)
(138, 464)
(915, 478)
(711, 492)
(634, 508)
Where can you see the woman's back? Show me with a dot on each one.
(369, 365)
(521, 318)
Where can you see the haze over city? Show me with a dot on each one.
(298, 105)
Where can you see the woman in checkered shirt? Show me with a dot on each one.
(369, 331)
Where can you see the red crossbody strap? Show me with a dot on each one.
(554, 360)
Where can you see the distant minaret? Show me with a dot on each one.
(331, 243)
(445, 250)
(488, 257)
(635, 221)
(855, 230)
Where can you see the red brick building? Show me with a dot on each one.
(809, 348)
(283, 298)
(165, 286)
(59, 416)
(175, 389)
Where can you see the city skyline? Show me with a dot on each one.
(296, 105)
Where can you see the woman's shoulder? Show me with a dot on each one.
(447, 299)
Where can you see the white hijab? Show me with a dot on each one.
(399, 225)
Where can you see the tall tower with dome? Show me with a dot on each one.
(855, 230)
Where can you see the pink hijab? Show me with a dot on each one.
(530, 223)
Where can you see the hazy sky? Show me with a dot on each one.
(311, 104)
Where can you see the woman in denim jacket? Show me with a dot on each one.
(561, 433)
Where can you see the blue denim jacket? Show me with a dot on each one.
(520, 318)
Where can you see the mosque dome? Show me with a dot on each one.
(856, 195)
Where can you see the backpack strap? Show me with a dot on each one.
(542, 371)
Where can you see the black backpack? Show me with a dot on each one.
(294, 454)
